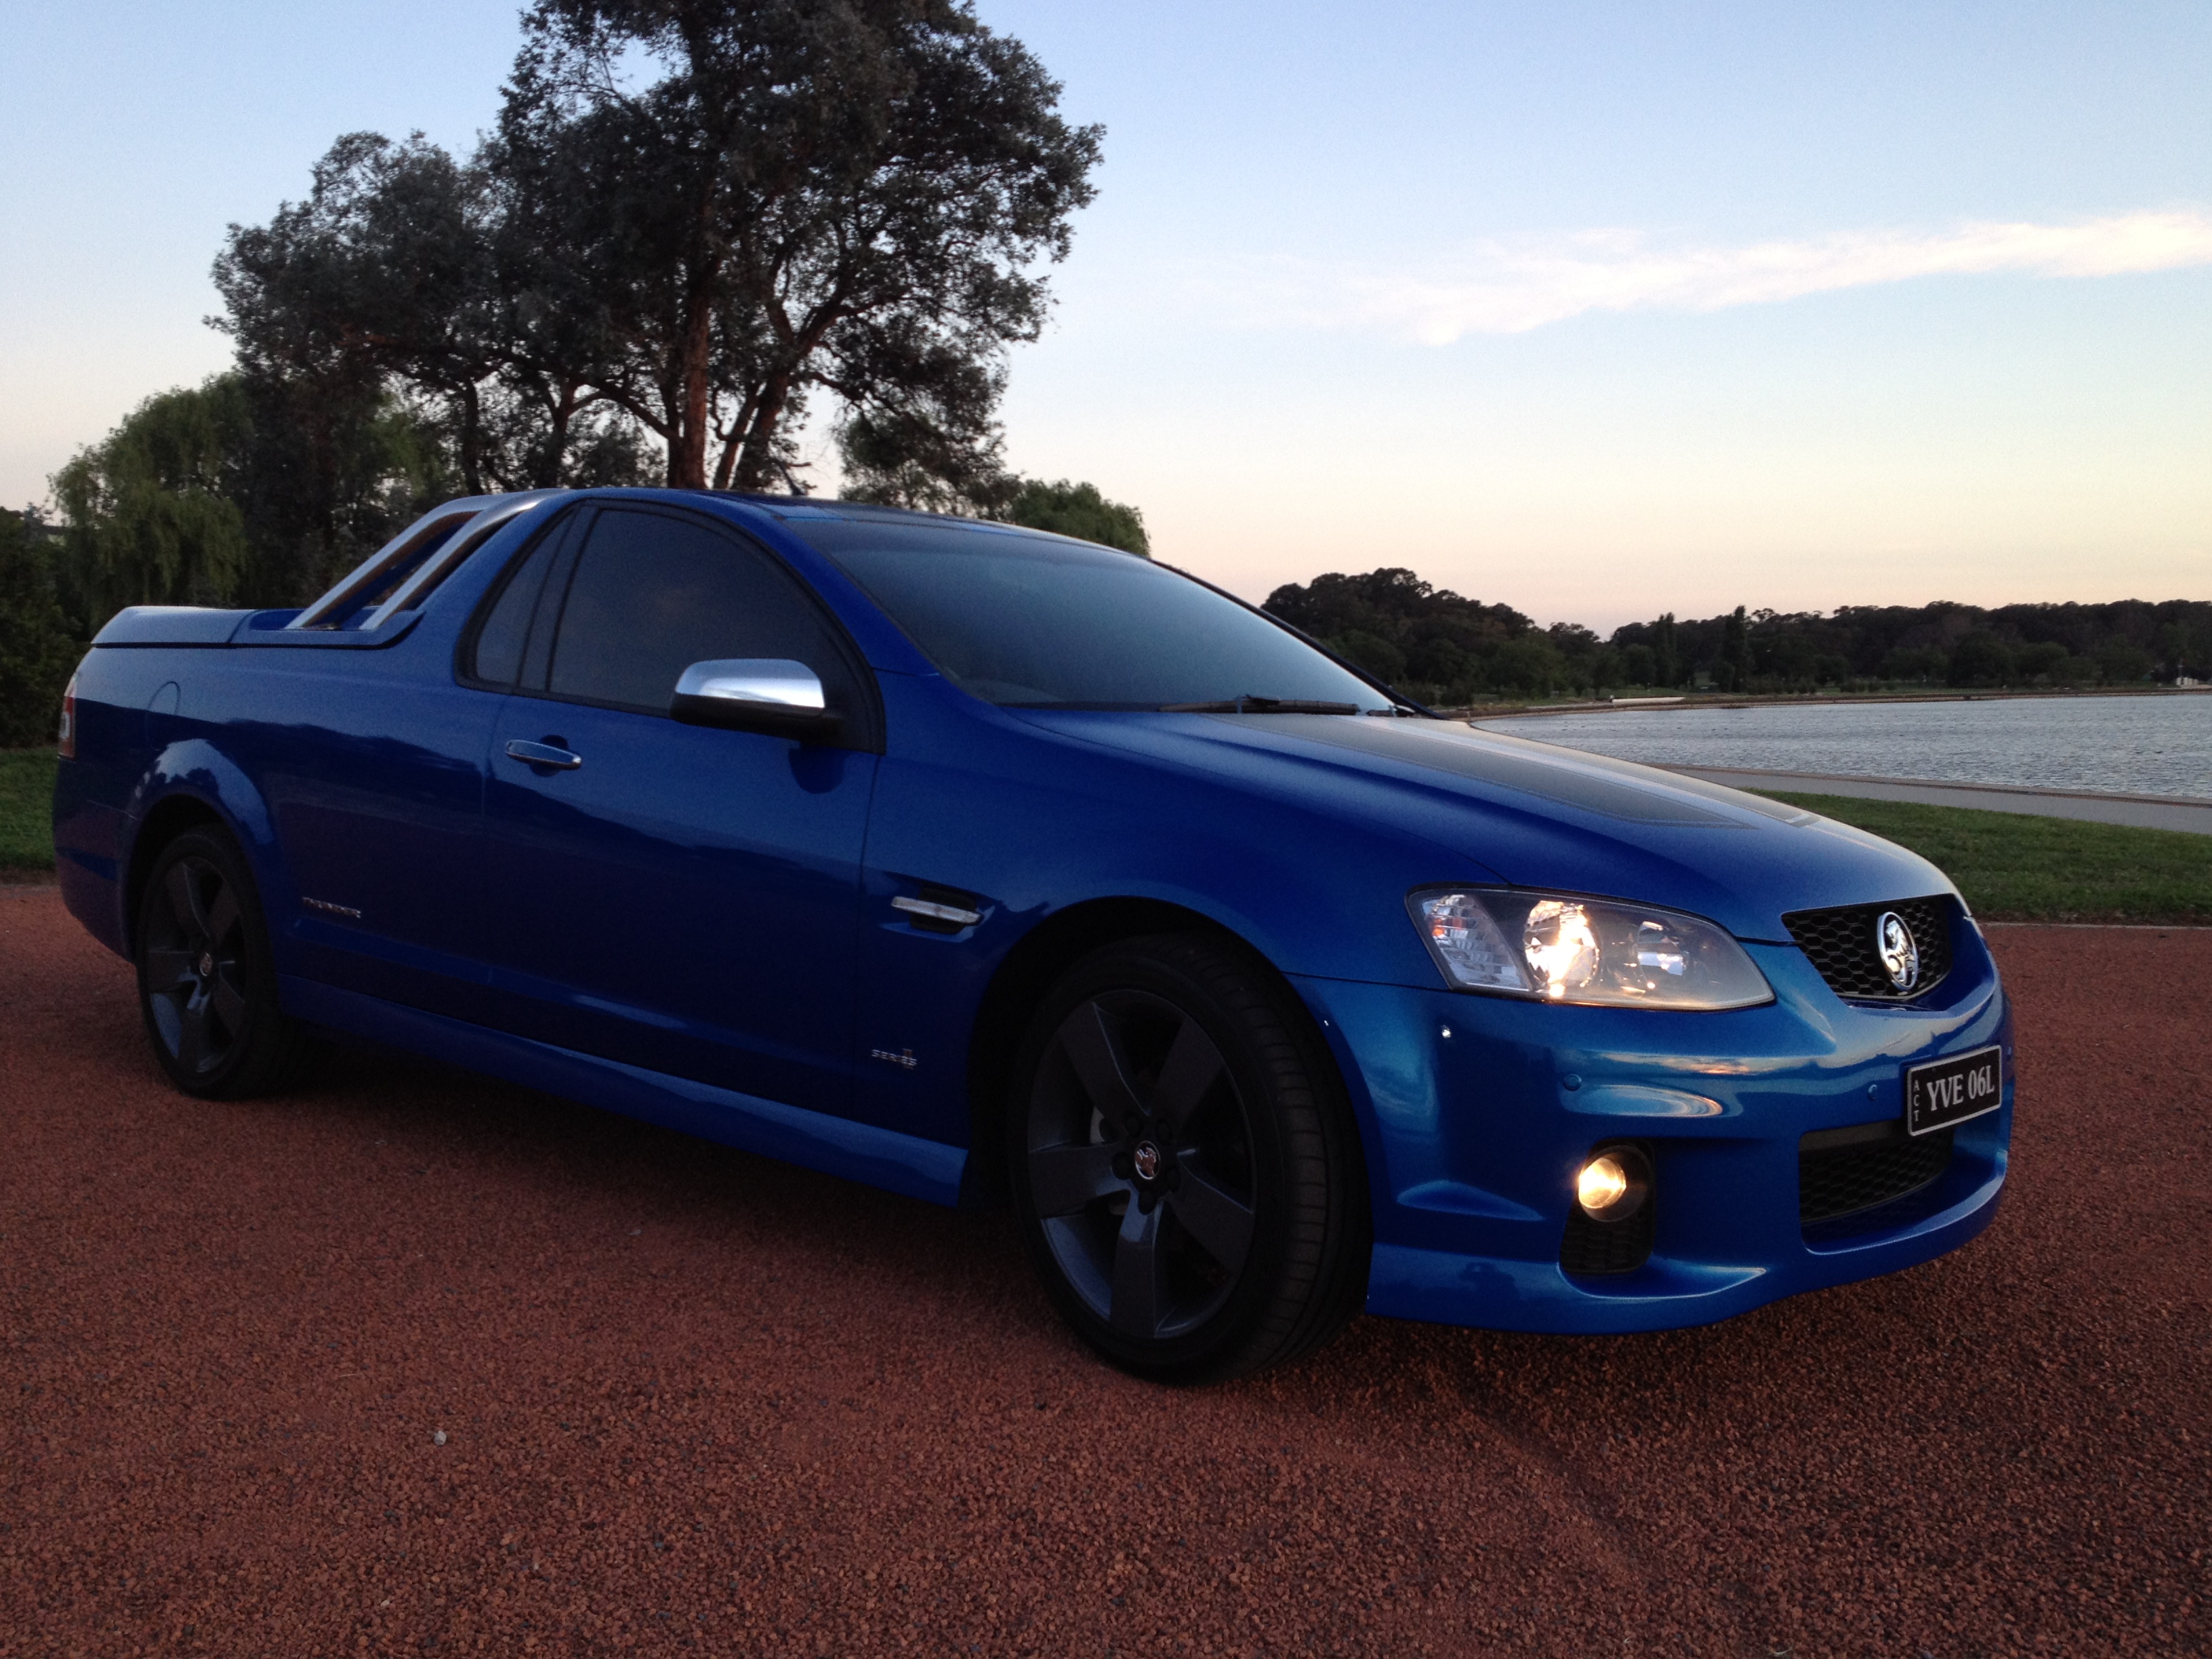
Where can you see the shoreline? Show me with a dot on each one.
(1665, 703)
(2188, 814)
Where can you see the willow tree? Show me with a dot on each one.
(150, 513)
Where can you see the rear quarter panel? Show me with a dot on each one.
(248, 727)
(100, 796)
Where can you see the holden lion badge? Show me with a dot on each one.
(1901, 956)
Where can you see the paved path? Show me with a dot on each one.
(2141, 812)
(412, 1363)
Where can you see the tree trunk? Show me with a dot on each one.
(733, 441)
(554, 461)
(687, 443)
(472, 440)
(726, 467)
(754, 460)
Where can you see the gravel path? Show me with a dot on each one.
(417, 1363)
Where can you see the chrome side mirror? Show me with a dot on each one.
(757, 694)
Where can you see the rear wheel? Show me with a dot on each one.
(1187, 1171)
(206, 983)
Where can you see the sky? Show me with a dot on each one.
(1598, 310)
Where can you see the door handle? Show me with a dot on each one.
(543, 754)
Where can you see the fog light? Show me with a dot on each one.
(1603, 1184)
(1613, 1184)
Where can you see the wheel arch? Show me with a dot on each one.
(167, 818)
(190, 784)
(1028, 973)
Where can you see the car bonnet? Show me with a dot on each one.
(1538, 815)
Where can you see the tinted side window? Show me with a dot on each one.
(655, 593)
(505, 630)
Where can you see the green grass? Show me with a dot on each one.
(2015, 868)
(27, 805)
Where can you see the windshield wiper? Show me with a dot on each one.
(1260, 705)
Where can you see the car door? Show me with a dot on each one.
(678, 898)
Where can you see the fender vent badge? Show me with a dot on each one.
(903, 1058)
(329, 908)
(958, 916)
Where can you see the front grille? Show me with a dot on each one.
(1841, 944)
(1842, 1171)
(1596, 1248)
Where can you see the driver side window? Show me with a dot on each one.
(653, 592)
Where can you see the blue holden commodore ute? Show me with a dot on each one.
(988, 865)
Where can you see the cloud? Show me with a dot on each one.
(1511, 285)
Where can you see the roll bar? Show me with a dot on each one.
(418, 559)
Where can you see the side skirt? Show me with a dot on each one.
(856, 1152)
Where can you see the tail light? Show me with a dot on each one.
(65, 740)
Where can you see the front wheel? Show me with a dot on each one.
(207, 984)
(1184, 1165)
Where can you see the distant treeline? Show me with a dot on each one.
(1446, 650)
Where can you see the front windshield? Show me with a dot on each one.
(1039, 622)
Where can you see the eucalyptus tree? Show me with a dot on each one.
(359, 324)
(752, 201)
(387, 274)
(935, 447)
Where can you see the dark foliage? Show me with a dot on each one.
(928, 455)
(850, 198)
(38, 647)
(1435, 644)
(257, 488)
(1445, 649)
(1078, 510)
(407, 274)
(2124, 642)
(151, 513)
(693, 214)
(894, 460)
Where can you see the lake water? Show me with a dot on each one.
(2115, 746)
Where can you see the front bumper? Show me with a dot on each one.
(1476, 1112)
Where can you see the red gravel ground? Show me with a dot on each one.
(692, 1400)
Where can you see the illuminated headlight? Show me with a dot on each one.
(1561, 949)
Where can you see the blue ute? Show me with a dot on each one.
(986, 866)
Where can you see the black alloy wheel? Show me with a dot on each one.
(206, 984)
(1185, 1166)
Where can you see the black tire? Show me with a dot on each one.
(1184, 1165)
(207, 984)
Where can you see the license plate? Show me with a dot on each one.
(1952, 1090)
